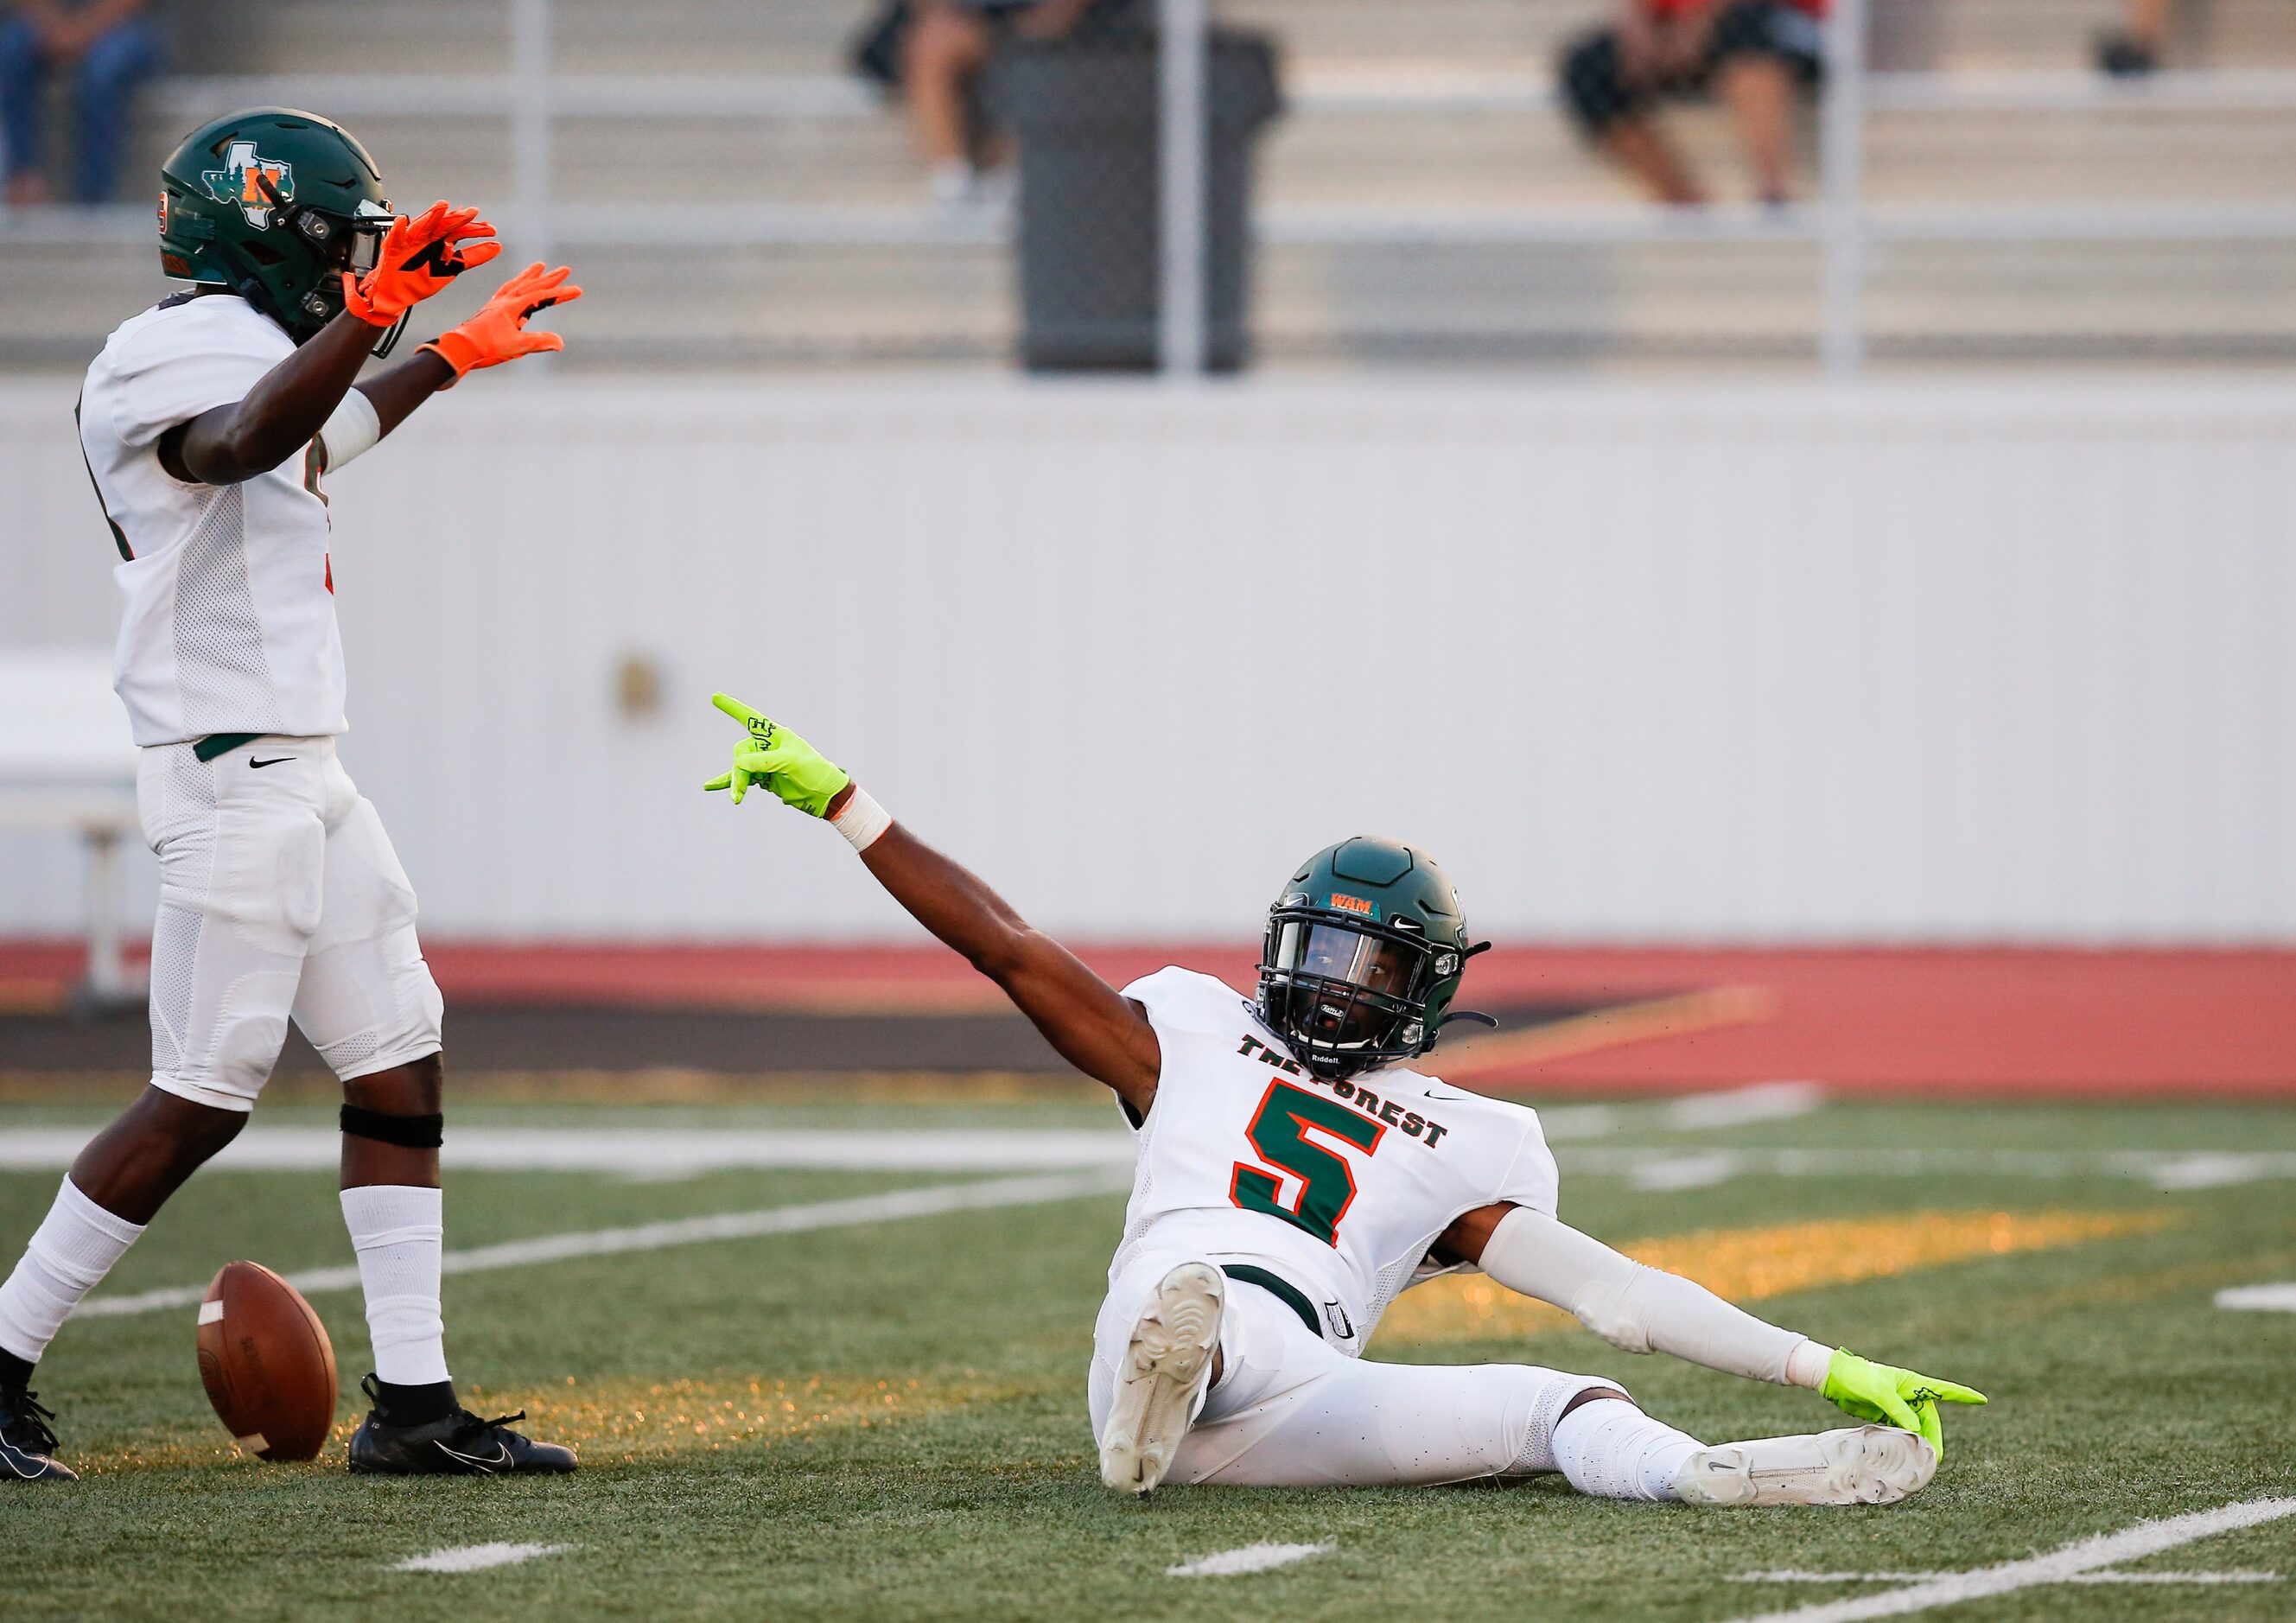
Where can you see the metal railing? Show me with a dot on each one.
(1843, 223)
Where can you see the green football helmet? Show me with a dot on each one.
(1364, 951)
(276, 205)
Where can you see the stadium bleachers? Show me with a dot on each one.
(1377, 144)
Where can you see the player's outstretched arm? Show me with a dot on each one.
(497, 333)
(305, 394)
(1095, 1027)
(1643, 1309)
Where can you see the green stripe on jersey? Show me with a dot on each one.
(222, 743)
(1279, 1288)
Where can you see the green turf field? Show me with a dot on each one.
(881, 1421)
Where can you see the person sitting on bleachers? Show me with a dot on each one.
(1755, 54)
(947, 45)
(110, 47)
(2134, 49)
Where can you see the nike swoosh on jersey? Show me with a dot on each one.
(274, 761)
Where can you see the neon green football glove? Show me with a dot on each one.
(777, 758)
(1889, 1396)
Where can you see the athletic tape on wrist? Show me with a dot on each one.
(352, 431)
(1807, 1364)
(407, 1132)
(862, 820)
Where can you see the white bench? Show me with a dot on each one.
(68, 765)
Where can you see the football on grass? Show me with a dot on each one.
(267, 1362)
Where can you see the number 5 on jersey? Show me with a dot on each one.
(1326, 1182)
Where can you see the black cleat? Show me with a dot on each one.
(460, 1445)
(26, 1445)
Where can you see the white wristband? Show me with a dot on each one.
(352, 430)
(862, 820)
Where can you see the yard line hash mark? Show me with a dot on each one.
(932, 1200)
(477, 1557)
(1251, 1558)
(2068, 1565)
(2259, 1298)
(1738, 1107)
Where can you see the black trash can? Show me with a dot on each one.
(1087, 114)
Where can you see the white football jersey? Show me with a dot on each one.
(229, 621)
(1337, 1188)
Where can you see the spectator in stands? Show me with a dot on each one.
(1755, 54)
(2135, 48)
(108, 48)
(945, 45)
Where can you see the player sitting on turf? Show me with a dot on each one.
(1294, 1176)
(207, 422)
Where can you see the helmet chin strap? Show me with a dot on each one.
(389, 341)
(244, 282)
(1467, 1015)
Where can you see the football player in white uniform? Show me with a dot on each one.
(206, 424)
(1294, 1175)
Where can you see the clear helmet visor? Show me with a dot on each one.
(1333, 952)
(1345, 989)
(355, 243)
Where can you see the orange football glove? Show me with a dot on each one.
(418, 258)
(499, 331)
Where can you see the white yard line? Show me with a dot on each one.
(1700, 1169)
(1563, 1122)
(650, 1150)
(661, 1154)
(2211, 1171)
(1651, 1167)
(2174, 1577)
(1736, 1107)
(2259, 1298)
(1251, 1558)
(477, 1557)
(1793, 1575)
(2063, 1566)
(670, 1153)
(928, 1202)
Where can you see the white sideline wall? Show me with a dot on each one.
(1755, 662)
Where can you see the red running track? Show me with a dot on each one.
(1903, 1020)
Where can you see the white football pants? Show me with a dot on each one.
(1288, 1411)
(280, 897)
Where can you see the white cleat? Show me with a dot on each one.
(1855, 1465)
(1166, 1368)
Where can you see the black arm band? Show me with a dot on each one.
(407, 1132)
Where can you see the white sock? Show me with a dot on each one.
(1612, 1450)
(71, 1251)
(398, 1231)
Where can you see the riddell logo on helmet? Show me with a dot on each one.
(257, 184)
(1354, 903)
